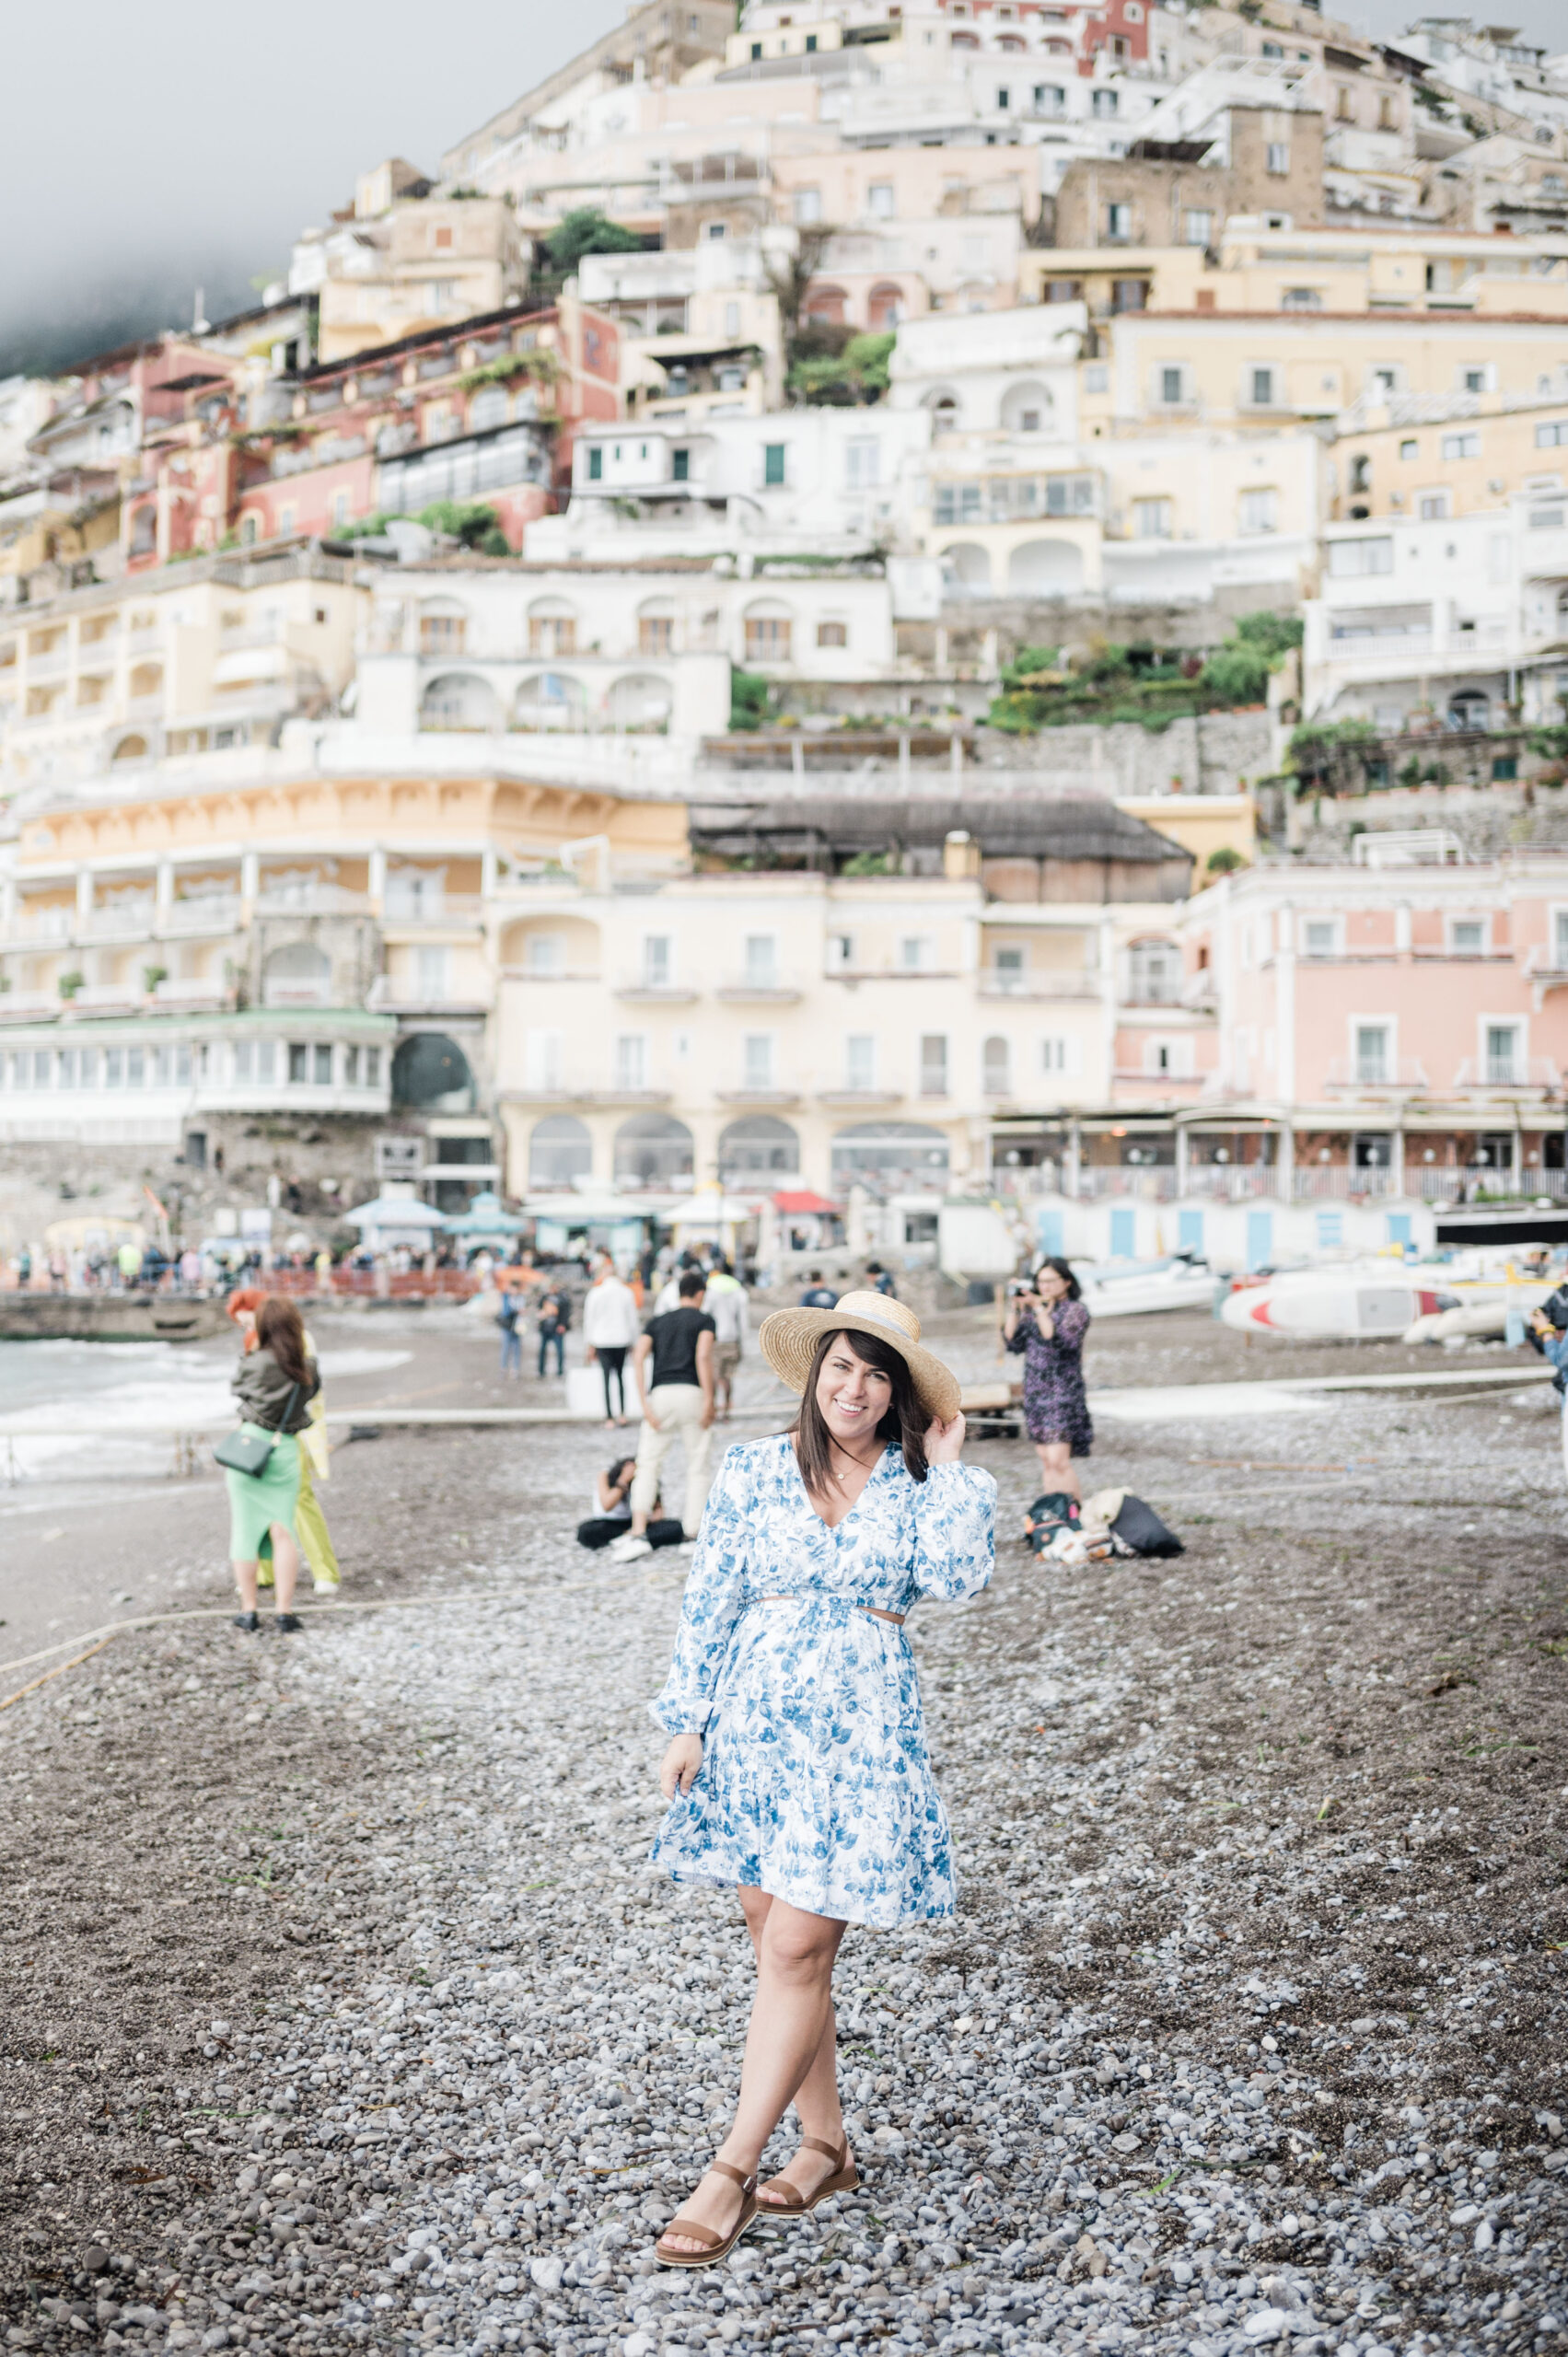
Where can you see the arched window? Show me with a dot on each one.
(431, 1072)
(639, 706)
(759, 1144)
(997, 1067)
(146, 680)
(131, 748)
(1027, 409)
(459, 700)
(885, 307)
(299, 974)
(143, 532)
(560, 1151)
(891, 1155)
(769, 631)
(1471, 708)
(827, 304)
(966, 568)
(1046, 568)
(946, 409)
(653, 1150)
(550, 699)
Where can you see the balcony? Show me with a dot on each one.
(1514, 1072)
(1338, 1182)
(215, 912)
(125, 921)
(28, 927)
(1040, 986)
(312, 900)
(178, 990)
(646, 989)
(851, 1100)
(52, 666)
(107, 998)
(765, 988)
(763, 1097)
(27, 1006)
(1145, 1183)
(1232, 1182)
(390, 997)
(1365, 1077)
(460, 909)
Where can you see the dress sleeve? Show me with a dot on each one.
(1071, 1323)
(715, 1592)
(1025, 1332)
(954, 1530)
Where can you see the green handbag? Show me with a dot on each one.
(243, 1452)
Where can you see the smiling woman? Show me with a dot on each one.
(798, 1771)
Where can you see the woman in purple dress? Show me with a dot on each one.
(1047, 1325)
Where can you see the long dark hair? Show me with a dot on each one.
(280, 1329)
(1074, 1291)
(904, 1425)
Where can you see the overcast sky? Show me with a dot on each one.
(144, 154)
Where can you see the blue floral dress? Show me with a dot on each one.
(815, 1783)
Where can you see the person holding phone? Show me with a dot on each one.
(1045, 1325)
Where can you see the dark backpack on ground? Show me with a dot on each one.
(1139, 1526)
(1046, 1517)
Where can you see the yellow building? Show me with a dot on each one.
(410, 260)
(197, 656)
(1475, 453)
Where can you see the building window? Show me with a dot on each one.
(879, 200)
(1173, 387)
(716, 232)
(321, 1066)
(833, 635)
(934, 1065)
(757, 1060)
(1049, 99)
(773, 462)
(299, 1062)
(657, 961)
(761, 961)
(767, 638)
(1503, 1059)
(1433, 507)
(1151, 519)
(995, 1068)
(808, 207)
(1461, 445)
(1301, 298)
(553, 633)
(1560, 936)
(441, 635)
(841, 953)
(596, 465)
(1551, 436)
(545, 955)
(351, 1067)
(860, 1062)
(1198, 228)
(631, 1061)
(1276, 156)
(1319, 937)
(1259, 511)
(1104, 104)
(1126, 294)
(1466, 938)
(1373, 1065)
(1347, 558)
(914, 953)
(1154, 973)
(680, 466)
(1410, 449)
(655, 634)
(1260, 387)
(1119, 223)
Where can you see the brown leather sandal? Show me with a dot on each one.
(798, 2204)
(714, 2246)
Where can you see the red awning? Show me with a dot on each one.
(806, 1204)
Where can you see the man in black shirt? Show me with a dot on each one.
(674, 1365)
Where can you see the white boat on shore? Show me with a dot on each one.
(1137, 1288)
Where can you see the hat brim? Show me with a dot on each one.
(788, 1340)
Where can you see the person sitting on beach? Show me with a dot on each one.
(611, 1517)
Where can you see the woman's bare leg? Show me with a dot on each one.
(1056, 1467)
(787, 2046)
(285, 1568)
(244, 1581)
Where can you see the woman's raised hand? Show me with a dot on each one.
(945, 1443)
(679, 1765)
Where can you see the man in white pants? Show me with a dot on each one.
(674, 1366)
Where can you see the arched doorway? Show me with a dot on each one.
(560, 1151)
(299, 974)
(757, 1145)
(457, 701)
(966, 567)
(1045, 568)
(1471, 708)
(640, 704)
(550, 700)
(653, 1150)
(430, 1072)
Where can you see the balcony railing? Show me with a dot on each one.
(40, 924)
(1039, 985)
(1338, 1182)
(1236, 1183)
(311, 899)
(1381, 1072)
(128, 921)
(664, 990)
(1140, 1182)
(775, 984)
(446, 907)
(214, 913)
(1506, 1072)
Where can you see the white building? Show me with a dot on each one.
(813, 481)
(1450, 619)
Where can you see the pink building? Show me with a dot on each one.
(1398, 1027)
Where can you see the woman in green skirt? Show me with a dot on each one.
(274, 1384)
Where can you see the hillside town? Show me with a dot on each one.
(866, 605)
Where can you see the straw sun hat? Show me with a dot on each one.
(789, 1340)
